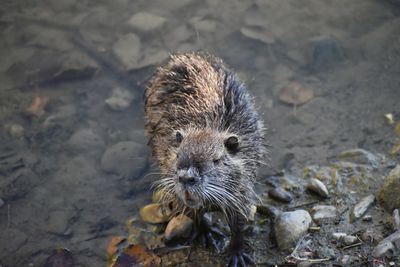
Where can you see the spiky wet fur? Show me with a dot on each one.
(198, 96)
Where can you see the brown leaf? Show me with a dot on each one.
(37, 106)
(296, 94)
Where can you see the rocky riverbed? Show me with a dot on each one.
(74, 167)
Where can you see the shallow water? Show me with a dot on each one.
(65, 178)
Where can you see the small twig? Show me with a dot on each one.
(314, 228)
(352, 246)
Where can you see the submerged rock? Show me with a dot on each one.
(120, 99)
(290, 227)
(127, 50)
(85, 140)
(325, 52)
(361, 207)
(389, 246)
(144, 21)
(318, 187)
(389, 193)
(124, 158)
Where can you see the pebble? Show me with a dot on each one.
(127, 50)
(360, 156)
(325, 52)
(15, 130)
(318, 187)
(124, 158)
(349, 239)
(120, 99)
(144, 21)
(178, 227)
(388, 195)
(85, 140)
(321, 212)
(290, 227)
(280, 195)
(367, 218)
(361, 207)
(155, 213)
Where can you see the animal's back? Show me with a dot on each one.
(198, 91)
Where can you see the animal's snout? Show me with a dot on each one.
(187, 180)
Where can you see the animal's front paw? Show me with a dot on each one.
(239, 258)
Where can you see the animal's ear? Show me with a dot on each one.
(178, 137)
(232, 143)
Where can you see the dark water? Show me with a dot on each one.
(73, 162)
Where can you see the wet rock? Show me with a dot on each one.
(325, 53)
(75, 65)
(388, 195)
(15, 130)
(321, 212)
(124, 158)
(349, 239)
(338, 236)
(317, 187)
(361, 207)
(155, 213)
(371, 236)
(178, 227)
(120, 99)
(85, 140)
(63, 114)
(360, 156)
(367, 218)
(7, 235)
(290, 227)
(18, 183)
(144, 21)
(152, 56)
(128, 50)
(58, 222)
(389, 246)
(48, 38)
(280, 195)
(259, 34)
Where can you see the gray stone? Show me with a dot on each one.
(321, 212)
(361, 207)
(396, 219)
(360, 156)
(290, 227)
(120, 99)
(258, 34)
(85, 140)
(124, 158)
(325, 53)
(128, 50)
(280, 195)
(144, 21)
(389, 196)
(318, 187)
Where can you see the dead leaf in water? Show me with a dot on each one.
(112, 247)
(37, 106)
(296, 94)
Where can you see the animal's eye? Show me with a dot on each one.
(179, 137)
(216, 161)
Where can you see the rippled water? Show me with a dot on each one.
(74, 165)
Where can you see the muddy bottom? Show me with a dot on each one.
(74, 165)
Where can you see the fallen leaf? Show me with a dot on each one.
(37, 106)
(296, 94)
(112, 247)
(136, 255)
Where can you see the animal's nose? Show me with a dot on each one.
(187, 180)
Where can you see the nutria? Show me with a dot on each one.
(207, 138)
